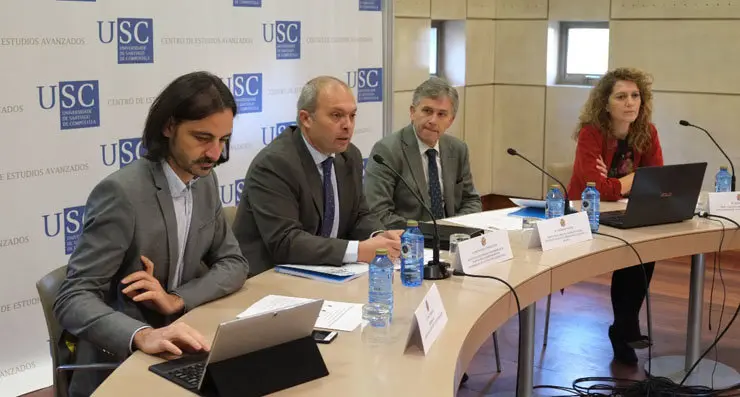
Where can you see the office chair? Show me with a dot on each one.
(562, 171)
(59, 341)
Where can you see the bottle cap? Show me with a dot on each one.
(555, 186)
(592, 184)
(723, 168)
(381, 251)
(412, 223)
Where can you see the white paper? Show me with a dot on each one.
(491, 247)
(430, 317)
(349, 269)
(725, 204)
(338, 316)
(561, 231)
(489, 220)
(528, 203)
(428, 254)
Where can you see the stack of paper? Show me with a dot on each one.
(333, 274)
(489, 220)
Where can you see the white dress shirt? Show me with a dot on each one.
(182, 200)
(350, 255)
(423, 147)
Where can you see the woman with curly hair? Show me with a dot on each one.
(615, 136)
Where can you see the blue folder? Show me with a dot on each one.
(529, 212)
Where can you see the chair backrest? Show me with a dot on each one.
(47, 288)
(230, 214)
(562, 171)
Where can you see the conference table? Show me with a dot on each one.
(361, 363)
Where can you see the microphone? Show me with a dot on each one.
(687, 124)
(434, 269)
(567, 210)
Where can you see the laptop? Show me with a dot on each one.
(660, 195)
(237, 337)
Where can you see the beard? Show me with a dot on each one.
(192, 167)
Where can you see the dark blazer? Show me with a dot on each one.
(391, 200)
(128, 214)
(278, 220)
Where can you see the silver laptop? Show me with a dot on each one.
(241, 336)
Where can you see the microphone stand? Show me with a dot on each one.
(732, 166)
(434, 269)
(567, 210)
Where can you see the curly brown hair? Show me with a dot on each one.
(594, 110)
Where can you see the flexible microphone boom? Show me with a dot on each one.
(687, 124)
(434, 269)
(567, 210)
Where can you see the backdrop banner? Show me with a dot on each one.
(79, 77)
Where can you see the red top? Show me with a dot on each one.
(591, 145)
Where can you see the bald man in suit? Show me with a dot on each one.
(302, 201)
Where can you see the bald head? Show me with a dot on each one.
(326, 113)
(309, 98)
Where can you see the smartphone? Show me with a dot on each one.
(323, 336)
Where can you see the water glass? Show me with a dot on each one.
(376, 314)
(455, 239)
(702, 204)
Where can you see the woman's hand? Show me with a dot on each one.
(626, 182)
(601, 167)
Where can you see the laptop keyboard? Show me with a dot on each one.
(615, 217)
(189, 374)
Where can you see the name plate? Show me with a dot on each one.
(561, 232)
(429, 320)
(491, 247)
(725, 204)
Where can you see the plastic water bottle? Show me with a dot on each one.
(590, 200)
(412, 255)
(380, 283)
(554, 202)
(723, 180)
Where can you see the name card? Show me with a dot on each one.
(561, 231)
(429, 320)
(725, 204)
(491, 247)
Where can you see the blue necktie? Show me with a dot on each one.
(328, 220)
(435, 190)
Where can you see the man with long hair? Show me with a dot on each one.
(155, 243)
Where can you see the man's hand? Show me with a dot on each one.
(143, 287)
(366, 249)
(601, 167)
(393, 234)
(172, 339)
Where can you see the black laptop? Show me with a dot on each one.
(427, 229)
(660, 195)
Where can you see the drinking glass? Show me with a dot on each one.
(455, 239)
